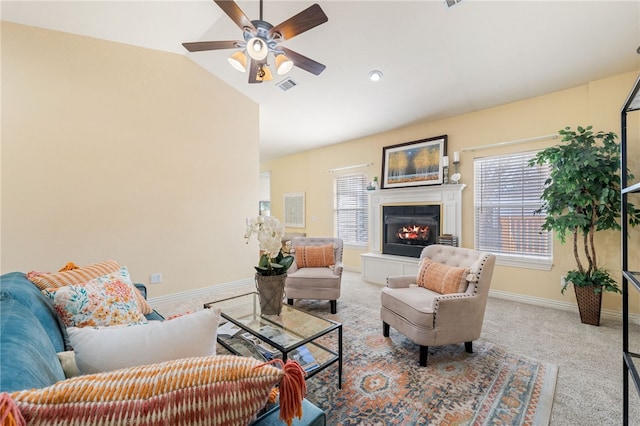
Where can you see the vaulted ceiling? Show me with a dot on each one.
(437, 61)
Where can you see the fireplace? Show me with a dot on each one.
(446, 199)
(407, 229)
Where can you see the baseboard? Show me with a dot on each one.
(189, 294)
(531, 300)
(556, 304)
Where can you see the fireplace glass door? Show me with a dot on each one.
(409, 228)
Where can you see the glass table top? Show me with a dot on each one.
(285, 331)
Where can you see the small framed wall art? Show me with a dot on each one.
(415, 163)
(294, 209)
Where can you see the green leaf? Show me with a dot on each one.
(582, 194)
(287, 261)
(600, 279)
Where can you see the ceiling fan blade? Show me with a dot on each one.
(309, 18)
(303, 62)
(198, 46)
(236, 14)
(253, 71)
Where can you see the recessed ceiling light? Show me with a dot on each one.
(375, 75)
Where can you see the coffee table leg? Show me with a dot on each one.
(340, 357)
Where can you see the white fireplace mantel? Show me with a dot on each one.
(376, 267)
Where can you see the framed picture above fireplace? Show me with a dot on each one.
(415, 163)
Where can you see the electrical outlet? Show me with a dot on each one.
(562, 281)
(155, 278)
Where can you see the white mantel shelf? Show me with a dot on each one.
(376, 267)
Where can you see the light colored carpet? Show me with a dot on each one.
(589, 359)
(383, 383)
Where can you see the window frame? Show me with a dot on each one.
(517, 259)
(362, 209)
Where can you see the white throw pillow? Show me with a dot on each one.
(68, 363)
(110, 348)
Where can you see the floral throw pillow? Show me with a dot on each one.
(103, 301)
(71, 274)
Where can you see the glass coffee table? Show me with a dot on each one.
(294, 334)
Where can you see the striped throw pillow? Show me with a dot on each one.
(217, 390)
(441, 278)
(314, 256)
(45, 280)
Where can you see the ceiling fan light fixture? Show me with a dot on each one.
(257, 48)
(264, 74)
(283, 64)
(238, 61)
(260, 38)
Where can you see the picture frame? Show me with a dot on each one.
(294, 209)
(415, 163)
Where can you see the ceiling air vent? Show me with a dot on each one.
(287, 84)
(452, 2)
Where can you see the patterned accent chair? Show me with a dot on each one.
(316, 272)
(430, 318)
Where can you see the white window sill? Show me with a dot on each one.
(356, 246)
(523, 262)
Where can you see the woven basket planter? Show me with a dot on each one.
(589, 304)
(270, 292)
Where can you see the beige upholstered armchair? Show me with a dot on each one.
(445, 303)
(316, 272)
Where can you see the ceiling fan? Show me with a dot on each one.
(262, 38)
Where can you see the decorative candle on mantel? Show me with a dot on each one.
(456, 157)
(445, 161)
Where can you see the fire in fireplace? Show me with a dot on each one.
(409, 228)
(414, 234)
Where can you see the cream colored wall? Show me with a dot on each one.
(110, 151)
(596, 103)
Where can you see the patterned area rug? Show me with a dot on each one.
(383, 384)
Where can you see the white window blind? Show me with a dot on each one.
(352, 209)
(507, 192)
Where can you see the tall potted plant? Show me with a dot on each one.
(273, 265)
(582, 197)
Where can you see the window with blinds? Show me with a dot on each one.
(352, 209)
(507, 192)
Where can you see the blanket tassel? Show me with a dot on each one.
(10, 415)
(293, 388)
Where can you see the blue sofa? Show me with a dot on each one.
(31, 334)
